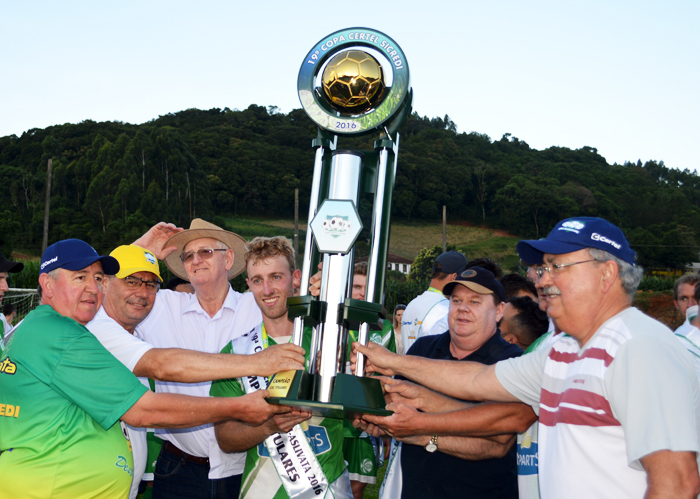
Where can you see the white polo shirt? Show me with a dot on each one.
(128, 350)
(179, 321)
(425, 315)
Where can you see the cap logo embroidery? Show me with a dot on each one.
(149, 257)
(597, 237)
(49, 262)
(468, 273)
(572, 226)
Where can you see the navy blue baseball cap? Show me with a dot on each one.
(74, 254)
(478, 280)
(450, 262)
(574, 234)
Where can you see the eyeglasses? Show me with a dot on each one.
(133, 282)
(204, 254)
(555, 268)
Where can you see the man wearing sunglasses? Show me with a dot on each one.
(129, 296)
(191, 464)
(617, 398)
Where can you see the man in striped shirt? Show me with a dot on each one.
(618, 402)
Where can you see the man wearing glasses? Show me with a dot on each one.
(191, 464)
(129, 297)
(617, 398)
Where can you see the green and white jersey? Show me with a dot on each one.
(324, 435)
(61, 396)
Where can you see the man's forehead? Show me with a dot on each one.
(203, 242)
(548, 257)
(144, 274)
(273, 264)
(95, 268)
(462, 291)
(686, 289)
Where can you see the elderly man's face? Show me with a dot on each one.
(127, 304)
(572, 294)
(472, 319)
(202, 271)
(77, 294)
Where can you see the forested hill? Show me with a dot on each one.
(112, 180)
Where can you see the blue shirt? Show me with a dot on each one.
(440, 475)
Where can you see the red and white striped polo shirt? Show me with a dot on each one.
(629, 392)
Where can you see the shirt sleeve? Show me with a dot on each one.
(127, 348)
(522, 376)
(654, 393)
(105, 390)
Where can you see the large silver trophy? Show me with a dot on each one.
(353, 82)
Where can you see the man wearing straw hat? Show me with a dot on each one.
(191, 463)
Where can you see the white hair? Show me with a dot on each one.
(630, 275)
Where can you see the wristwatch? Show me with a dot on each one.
(432, 445)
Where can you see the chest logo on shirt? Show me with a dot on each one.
(8, 367)
(317, 436)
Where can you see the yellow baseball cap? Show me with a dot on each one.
(134, 259)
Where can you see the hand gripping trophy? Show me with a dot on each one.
(353, 82)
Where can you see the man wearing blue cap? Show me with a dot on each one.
(617, 398)
(62, 394)
(426, 314)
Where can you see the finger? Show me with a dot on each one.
(291, 347)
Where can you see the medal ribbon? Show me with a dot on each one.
(294, 459)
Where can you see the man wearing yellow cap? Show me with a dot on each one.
(129, 296)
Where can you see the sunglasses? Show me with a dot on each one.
(204, 254)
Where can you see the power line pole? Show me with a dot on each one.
(444, 228)
(296, 224)
(45, 241)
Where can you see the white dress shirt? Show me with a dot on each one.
(179, 321)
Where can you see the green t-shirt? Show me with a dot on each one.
(325, 436)
(61, 396)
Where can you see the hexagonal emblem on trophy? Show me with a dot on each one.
(336, 226)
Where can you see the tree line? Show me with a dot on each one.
(112, 180)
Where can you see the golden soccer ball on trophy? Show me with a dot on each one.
(353, 82)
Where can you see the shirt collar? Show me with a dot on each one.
(490, 346)
(230, 302)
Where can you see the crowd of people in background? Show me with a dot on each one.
(541, 384)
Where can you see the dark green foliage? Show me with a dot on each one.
(422, 266)
(112, 180)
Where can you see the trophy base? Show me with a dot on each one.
(351, 397)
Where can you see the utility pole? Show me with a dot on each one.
(45, 241)
(444, 228)
(296, 224)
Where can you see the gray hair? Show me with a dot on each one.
(53, 274)
(222, 245)
(630, 275)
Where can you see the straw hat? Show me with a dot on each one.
(198, 230)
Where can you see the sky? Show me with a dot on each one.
(620, 76)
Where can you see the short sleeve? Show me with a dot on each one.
(654, 393)
(106, 389)
(127, 348)
(522, 376)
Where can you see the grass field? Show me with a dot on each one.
(408, 237)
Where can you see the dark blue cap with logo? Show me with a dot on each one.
(478, 280)
(574, 234)
(450, 262)
(74, 254)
